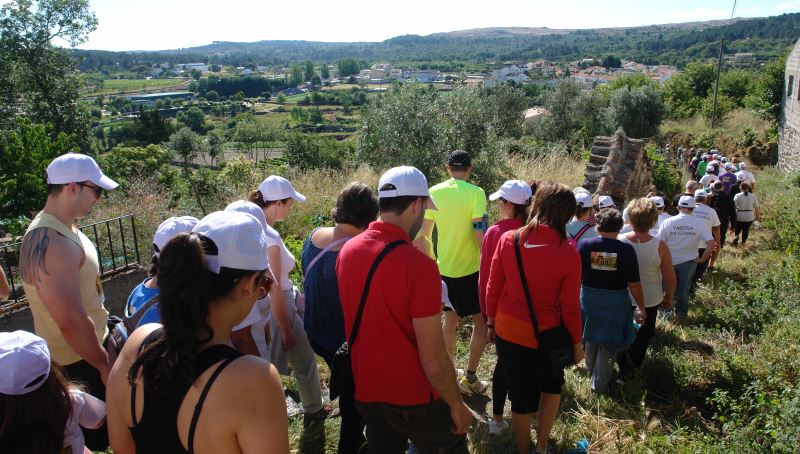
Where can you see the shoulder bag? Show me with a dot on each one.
(342, 381)
(554, 343)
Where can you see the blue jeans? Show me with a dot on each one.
(684, 272)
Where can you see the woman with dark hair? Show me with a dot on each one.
(746, 212)
(40, 411)
(289, 344)
(356, 206)
(181, 386)
(514, 199)
(142, 305)
(552, 271)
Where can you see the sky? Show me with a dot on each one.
(171, 24)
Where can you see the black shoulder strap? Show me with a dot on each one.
(199, 406)
(524, 281)
(389, 247)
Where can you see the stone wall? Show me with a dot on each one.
(789, 128)
(116, 289)
(618, 167)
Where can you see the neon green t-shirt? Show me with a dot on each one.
(459, 203)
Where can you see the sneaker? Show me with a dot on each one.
(497, 427)
(735, 241)
(476, 387)
(310, 419)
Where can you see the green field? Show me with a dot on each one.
(110, 86)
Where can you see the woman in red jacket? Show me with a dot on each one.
(553, 273)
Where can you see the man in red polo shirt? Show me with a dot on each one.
(404, 379)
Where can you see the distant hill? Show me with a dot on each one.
(674, 44)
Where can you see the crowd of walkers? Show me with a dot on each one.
(195, 362)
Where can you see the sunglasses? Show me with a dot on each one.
(98, 191)
(264, 283)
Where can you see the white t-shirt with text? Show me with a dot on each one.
(682, 233)
(709, 217)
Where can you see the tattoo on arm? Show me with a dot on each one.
(32, 256)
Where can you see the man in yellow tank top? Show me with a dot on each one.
(61, 275)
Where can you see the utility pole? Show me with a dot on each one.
(719, 70)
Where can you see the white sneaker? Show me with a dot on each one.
(497, 427)
(476, 387)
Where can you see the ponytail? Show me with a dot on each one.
(187, 290)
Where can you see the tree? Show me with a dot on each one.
(767, 91)
(296, 76)
(324, 72)
(212, 96)
(308, 71)
(151, 127)
(194, 119)
(280, 99)
(216, 145)
(215, 68)
(637, 111)
(186, 144)
(736, 84)
(196, 74)
(507, 106)
(299, 115)
(26, 152)
(611, 61)
(315, 115)
(38, 79)
(315, 80)
(561, 103)
(349, 67)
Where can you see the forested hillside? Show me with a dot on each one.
(675, 44)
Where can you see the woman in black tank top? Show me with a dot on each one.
(164, 377)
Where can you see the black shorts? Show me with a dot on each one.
(463, 294)
(527, 376)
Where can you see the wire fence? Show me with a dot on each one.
(117, 251)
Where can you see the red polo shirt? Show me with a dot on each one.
(406, 285)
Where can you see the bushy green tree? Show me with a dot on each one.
(150, 127)
(507, 105)
(25, 153)
(193, 118)
(304, 151)
(296, 76)
(638, 111)
(736, 84)
(767, 91)
(186, 144)
(465, 118)
(324, 71)
(308, 71)
(122, 163)
(212, 96)
(38, 79)
(562, 106)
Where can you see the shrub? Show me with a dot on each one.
(666, 179)
(746, 138)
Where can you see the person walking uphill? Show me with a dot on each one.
(61, 276)
(405, 383)
(514, 198)
(289, 343)
(461, 222)
(683, 233)
(549, 294)
(610, 271)
(356, 207)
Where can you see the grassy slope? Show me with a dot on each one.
(665, 408)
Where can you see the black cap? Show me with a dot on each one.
(459, 158)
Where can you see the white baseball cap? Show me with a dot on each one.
(514, 191)
(658, 200)
(686, 201)
(710, 169)
(24, 362)
(407, 181)
(243, 206)
(278, 188)
(742, 165)
(724, 159)
(170, 228)
(75, 168)
(741, 177)
(240, 240)
(584, 199)
(580, 190)
(728, 166)
(605, 202)
(700, 194)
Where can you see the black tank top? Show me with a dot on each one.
(157, 431)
